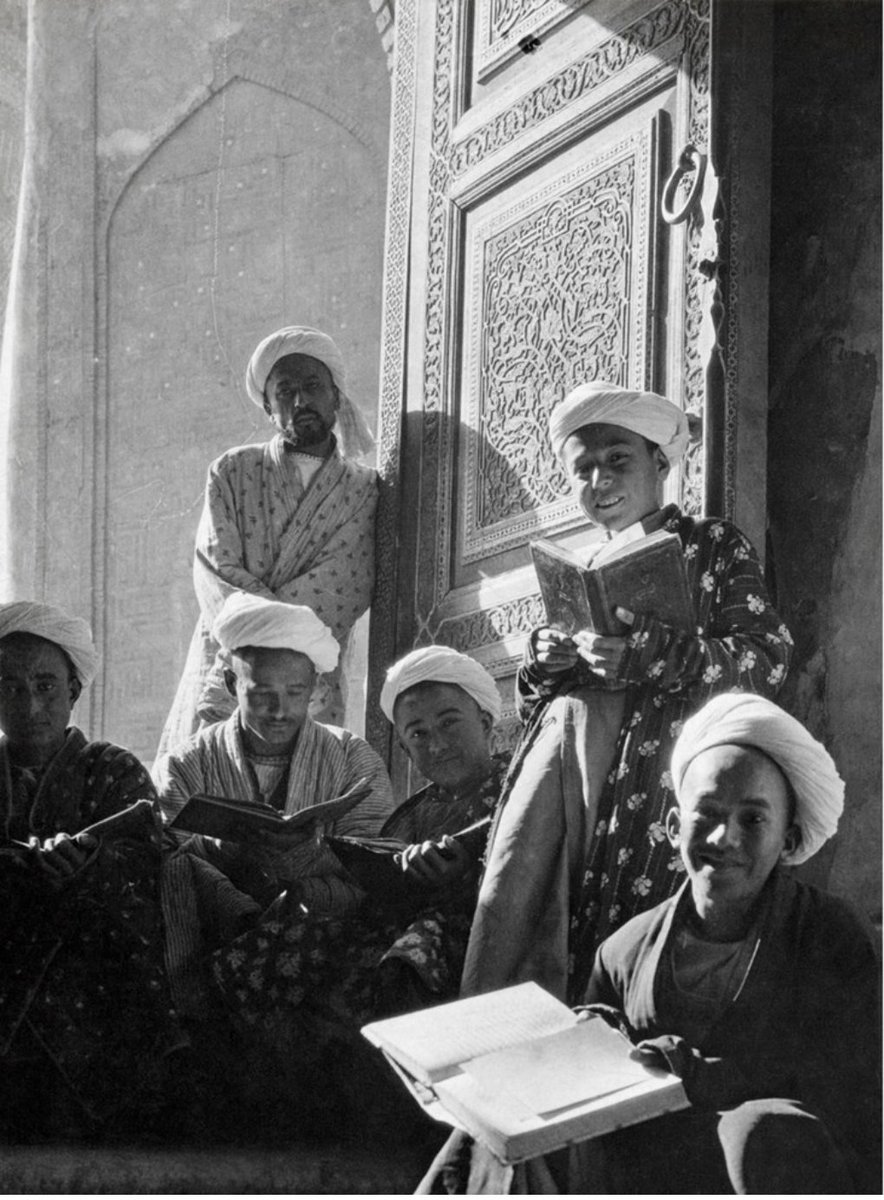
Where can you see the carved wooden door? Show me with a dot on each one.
(551, 221)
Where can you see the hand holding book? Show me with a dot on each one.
(249, 820)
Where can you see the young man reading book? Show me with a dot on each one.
(85, 1010)
(580, 843)
(308, 981)
(404, 945)
(270, 751)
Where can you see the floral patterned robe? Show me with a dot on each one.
(337, 964)
(545, 921)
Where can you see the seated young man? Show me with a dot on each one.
(758, 991)
(304, 984)
(270, 750)
(85, 1010)
(580, 844)
(443, 705)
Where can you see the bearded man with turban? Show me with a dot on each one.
(85, 1009)
(290, 520)
(305, 983)
(580, 843)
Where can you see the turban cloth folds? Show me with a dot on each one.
(440, 664)
(652, 416)
(71, 634)
(742, 719)
(247, 620)
(354, 434)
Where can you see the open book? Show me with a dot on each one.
(238, 820)
(374, 864)
(522, 1072)
(645, 576)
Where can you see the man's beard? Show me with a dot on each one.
(307, 432)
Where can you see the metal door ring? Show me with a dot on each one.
(690, 159)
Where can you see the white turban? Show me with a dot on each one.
(600, 403)
(742, 719)
(71, 634)
(248, 620)
(354, 434)
(440, 664)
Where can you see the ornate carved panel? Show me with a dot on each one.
(558, 293)
(504, 27)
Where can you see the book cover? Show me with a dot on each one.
(237, 820)
(374, 864)
(646, 576)
(523, 1073)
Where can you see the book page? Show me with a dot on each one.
(588, 1060)
(438, 1040)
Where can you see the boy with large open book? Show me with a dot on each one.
(580, 843)
(758, 992)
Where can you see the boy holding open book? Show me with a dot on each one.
(580, 843)
(757, 992)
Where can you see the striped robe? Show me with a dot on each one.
(202, 907)
(263, 532)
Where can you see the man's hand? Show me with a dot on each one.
(435, 864)
(603, 655)
(554, 651)
(61, 857)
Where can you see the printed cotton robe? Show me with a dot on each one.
(263, 532)
(336, 963)
(580, 844)
(211, 887)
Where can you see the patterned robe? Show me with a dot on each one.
(562, 873)
(200, 901)
(82, 983)
(337, 963)
(263, 532)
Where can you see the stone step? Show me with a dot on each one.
(300, 1170)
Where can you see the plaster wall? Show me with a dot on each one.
(198, 173)
(824, 475)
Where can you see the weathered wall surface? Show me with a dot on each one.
(824, 481)
(13, 33)
(199, 174)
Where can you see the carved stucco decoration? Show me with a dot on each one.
(561, 293)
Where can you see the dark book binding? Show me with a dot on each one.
(374, 864)
(647, 577)
(235, 820)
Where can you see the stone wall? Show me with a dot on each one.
(824, 478)
(198, 174)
